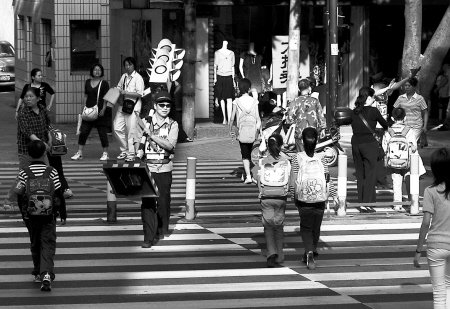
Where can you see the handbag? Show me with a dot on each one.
(381, 153)
(128, 106)
(91, 113)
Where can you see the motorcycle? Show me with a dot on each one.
(328, 143)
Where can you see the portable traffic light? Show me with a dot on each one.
(166, 63)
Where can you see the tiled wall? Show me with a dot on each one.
(70, 86)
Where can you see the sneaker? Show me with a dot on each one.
(77, 156)
(46, 285)
(130, 157)
(68, 193)
(36, 278)
(310, 263)
(248, 180)
(122, 156)
(399, 209)
(271, 261)
(146, 245)
(104, 157)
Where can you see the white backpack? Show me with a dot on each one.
(274, 178)
(398, 152)
(311, 186)
(246, 123)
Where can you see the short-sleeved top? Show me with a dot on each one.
(434, 202)
(224, 61)
(28, 123)
(252, 69)
(132, 83)
(361, 133)
(91, 93)
(305, 111)
(44, 88)
(171, 137)
(413, 108)
(38, 169)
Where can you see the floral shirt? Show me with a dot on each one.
(305, 112)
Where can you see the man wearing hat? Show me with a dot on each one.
(157, 146)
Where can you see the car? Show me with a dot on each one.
(7, 64)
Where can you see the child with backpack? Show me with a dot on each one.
(245, 108)
(399, 142)
(309, 178)
(273, 182)
(40, 198)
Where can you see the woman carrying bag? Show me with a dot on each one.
(95, 112)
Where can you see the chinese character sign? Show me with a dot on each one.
(280, 60)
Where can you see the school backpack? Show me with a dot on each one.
(274, 178)
(247, 124)
(39, 193)
(311, 186)
(57, 142)
(398, 152)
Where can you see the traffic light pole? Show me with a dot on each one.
(333, 58)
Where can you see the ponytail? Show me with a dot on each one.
(274, 144)
(364, 93)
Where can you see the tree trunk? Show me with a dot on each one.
(413, 35)
(188, 114)
(434, 55)
(294, 50)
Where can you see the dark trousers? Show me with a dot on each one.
(85, 130)
(310, 222)
(365, 157)
(56, 163)
(43, 245)
(381, 169)
(152, 225)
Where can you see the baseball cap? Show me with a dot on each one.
(163, 96)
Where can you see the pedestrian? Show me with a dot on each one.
(305, 111)
(94, 90)
(44, 88)
(366, 150)
(40, 215)
(157, 146)
(309, 178)
(436, 228)
(415, 107)
(245, 109)
(443, 91)
(399, 143)
(273, 181)
(131, 86)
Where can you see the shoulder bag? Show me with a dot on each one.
(91, 113)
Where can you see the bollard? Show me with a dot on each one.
(190, 188)
(414, 184)
(342, 184)
(111, 204)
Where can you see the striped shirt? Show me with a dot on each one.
(38, 169)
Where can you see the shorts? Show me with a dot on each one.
(224, 88)
(246, 150)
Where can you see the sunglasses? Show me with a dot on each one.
(166, 105)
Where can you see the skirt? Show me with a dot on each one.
(224, 88)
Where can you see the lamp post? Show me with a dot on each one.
(333, 58)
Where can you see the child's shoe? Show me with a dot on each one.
(310, 263)
(36, 278)
(46, 285)
(272, 261)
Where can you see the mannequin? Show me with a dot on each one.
(250, 67)
(224, 80)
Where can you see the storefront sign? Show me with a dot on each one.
(280, 60)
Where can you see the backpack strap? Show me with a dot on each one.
(405, 130)
(391, 132)
(47, 172)
(29, 173)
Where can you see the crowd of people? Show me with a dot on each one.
(303, 176)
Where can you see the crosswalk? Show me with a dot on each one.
(216, 261)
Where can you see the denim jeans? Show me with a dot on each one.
(273, 214)
(310, 222)
(439, 266)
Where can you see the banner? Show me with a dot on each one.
(280, 60)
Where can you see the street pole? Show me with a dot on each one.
(294, 50)
(332, 71)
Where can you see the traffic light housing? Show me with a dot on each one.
(165, 66)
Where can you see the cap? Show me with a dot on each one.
(163, 96)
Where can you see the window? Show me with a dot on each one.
(20, 37)
(84, 44)
(46, 42)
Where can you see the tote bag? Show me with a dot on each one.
(91, 113)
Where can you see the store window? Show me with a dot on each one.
(20, 37)
(84, 44)
(46, 42)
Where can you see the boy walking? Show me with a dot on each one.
(399, 143)
(309, 178)
(39, 198)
